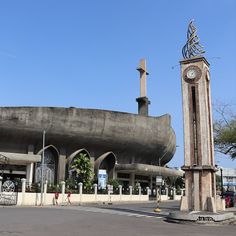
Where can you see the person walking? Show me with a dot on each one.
(56, 196)
(68, 198)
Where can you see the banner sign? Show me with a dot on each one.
(158, 180)
(102, 179)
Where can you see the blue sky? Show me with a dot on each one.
(85, 53)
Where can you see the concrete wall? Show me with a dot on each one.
(33, 199)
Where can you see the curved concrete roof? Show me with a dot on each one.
(143, 169)
(125, 134)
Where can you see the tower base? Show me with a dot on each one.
(211, 205)
(201, 217)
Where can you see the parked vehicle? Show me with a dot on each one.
(230, 198)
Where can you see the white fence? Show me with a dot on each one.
(48, 198)
(45, 198)
(25, 198)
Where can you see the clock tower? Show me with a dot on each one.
(199, 166)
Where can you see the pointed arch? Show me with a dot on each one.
(50, 169)
(106, 161)
(77, 152)
(47, 147)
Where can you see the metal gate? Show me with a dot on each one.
(9, 193)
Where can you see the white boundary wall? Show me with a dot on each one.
(33, 199)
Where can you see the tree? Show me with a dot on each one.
(114, 182)
(225, 131)
(81, 169)
(171, 180)
(175, 181)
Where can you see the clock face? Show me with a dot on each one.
(191, 74)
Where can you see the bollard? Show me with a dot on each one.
(23, 182)
(0, 184)
(130, 192)
(80, 192)
(120, 191)
(45, 187)
(63, 190)
(109, 193)
(139, 192)
(95, 191)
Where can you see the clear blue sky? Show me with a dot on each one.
(85, 53)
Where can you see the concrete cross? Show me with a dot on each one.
(143, 77)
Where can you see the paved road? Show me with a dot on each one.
(127, 219)
(141, 209)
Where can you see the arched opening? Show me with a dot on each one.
(75, 155)
(50, 166)
(106, 162)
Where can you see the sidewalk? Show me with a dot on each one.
(231, 209)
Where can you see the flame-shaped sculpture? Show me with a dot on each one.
(192, 48)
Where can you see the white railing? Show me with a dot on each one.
(29, 198)
(33, 198)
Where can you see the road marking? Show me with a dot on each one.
(111, 211)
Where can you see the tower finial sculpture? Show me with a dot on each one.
(192, 48)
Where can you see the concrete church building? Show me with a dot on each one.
(130, 147)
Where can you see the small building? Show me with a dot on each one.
(229, 178)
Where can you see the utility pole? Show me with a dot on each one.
(42, 168)
(158, 186)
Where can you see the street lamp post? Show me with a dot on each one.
(221, 180)
(158, 190)
(159, 184)
(42, 168)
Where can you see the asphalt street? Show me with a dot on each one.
(100, 220)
